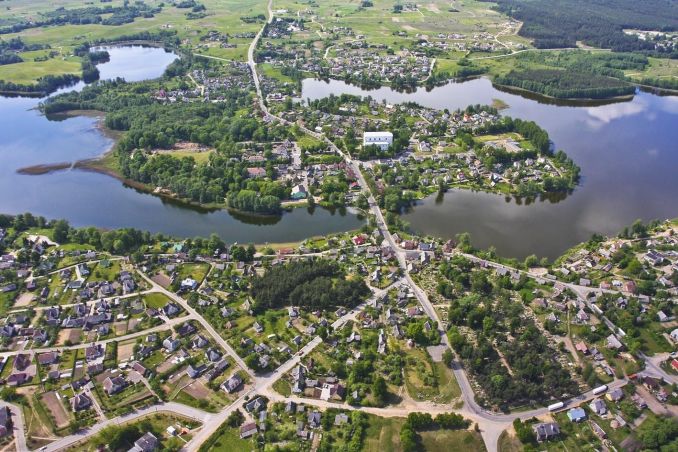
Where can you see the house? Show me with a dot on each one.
(189, 284)
(613, 342)
(615, 395)
(581, 347)
(600, 433)
(93, 352)
(5, 421)
(383, 140)
(137, 366)
(147, 443)
(340, 419)
(576, 414)
(255, 405)
(195, 372)
(314, 419)
(80, 402)
(248, 429)
(171, 309)
(232, 384)
(258, 328)
(199, 342)
(48, 358)
(114, 385)
(212, 355)
(546, 431)
(185, 329)
(171, 344)
(17, 379)
(598, 406)
(217, 370)
(256, 172)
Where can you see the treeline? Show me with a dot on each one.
(566, 83)
(599, 23)
(313, 284)
(253, 201)
(105, 15)
(528, 129)
(45, 85)
(118, 241)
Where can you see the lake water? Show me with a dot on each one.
(90, 199)
(628, 152)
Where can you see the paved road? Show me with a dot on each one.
(205, 324)
(18, 425)
(175, 408)
(163, 327)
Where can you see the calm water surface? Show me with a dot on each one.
(628, 152)
(27, 138)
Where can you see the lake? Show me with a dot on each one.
(628, 153)
(92, 199)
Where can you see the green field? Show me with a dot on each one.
(452, 440)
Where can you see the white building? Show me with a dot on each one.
(382, 139)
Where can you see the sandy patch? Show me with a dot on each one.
(125, 351)
(162, 279)
(165, 366)
(56, 409)
(131, 326)
(395, 19)
(24, 299)
(197, 390)
(71, 334)
(409, 28)
(120, 328)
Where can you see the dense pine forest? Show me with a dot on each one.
(599, 23)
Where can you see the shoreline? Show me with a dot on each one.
(564, 101)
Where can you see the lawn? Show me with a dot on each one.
(155, 300)
(452, 440)
(426, 380)
(509, 443)
(193, 271)
(227, 439)
(29, 72)
(383, 434)
(199, 157)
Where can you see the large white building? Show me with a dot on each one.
(382, 139)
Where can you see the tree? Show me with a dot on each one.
(448, 357)
(61, 229)
(379, 390)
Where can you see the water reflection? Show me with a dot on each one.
(627, 152)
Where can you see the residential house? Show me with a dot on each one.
(546, 431)
(114, 385)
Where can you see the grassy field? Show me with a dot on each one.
(222, 15)
(452, 440)
(509, 443)
(383, 434)
(227, 440)
(428, 380)
(155, 300)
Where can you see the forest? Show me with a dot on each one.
(598, 23)
(498, 325)
(150, 125)
(313, 284)
(566, 83)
